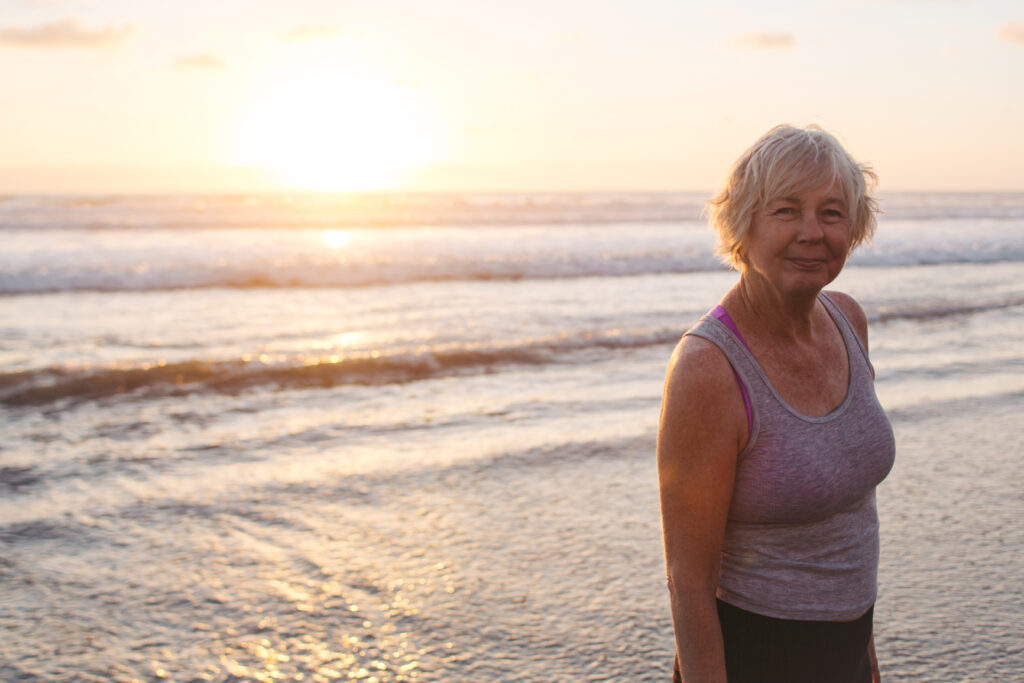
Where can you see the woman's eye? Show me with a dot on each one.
(834, 215)
(784, 211)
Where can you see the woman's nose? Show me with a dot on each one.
(810, 228)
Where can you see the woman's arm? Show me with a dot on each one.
(702, 429)
(876, 675)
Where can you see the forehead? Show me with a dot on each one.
(822, 193)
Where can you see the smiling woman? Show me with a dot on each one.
(772, 440)
(332, 131)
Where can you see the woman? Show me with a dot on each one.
(771, 440)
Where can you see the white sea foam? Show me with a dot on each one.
(43, 212)
(126, 244)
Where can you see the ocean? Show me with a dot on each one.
(411, 437)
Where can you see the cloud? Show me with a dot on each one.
(203, 61)
(64, 33)
(1012, 32)
(766, 41)
(313, 32)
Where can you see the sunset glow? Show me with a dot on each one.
(337, 239)
(455, 96)
(335, 132)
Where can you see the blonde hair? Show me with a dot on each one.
(786, 161)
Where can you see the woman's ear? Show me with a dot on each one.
(739, 254)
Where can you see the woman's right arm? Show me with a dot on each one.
(702, 429)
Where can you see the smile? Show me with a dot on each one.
(807, 263)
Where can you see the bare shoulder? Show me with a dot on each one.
(702, 427)
(697, 365)
(853, 312)
(702, 401)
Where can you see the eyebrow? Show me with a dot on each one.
(795, 200)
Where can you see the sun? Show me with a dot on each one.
(334, 131)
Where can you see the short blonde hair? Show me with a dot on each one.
(787, 161)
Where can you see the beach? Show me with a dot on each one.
(411, 437)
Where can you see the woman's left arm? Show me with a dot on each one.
(876, 675)
(855, 314)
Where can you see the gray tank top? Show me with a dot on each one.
(801, 541)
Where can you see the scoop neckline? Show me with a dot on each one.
(839, 409)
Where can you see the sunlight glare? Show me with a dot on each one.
(336, 239)
(332, 131)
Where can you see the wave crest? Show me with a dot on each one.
(52, 385)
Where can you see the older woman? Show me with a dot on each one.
(772, 440)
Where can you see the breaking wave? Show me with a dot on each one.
(54, 384)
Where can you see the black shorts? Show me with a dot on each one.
(760, 649)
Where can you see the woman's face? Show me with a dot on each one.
(798, 244)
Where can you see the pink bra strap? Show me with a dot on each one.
(720, 313)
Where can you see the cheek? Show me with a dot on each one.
(841, 240)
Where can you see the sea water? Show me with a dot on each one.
(411, 437)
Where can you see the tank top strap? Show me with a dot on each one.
(744, 367)
(850, 336)
(754, 385)
(721, 314)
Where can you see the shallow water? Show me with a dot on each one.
(473, 496)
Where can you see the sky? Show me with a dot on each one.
(124, 96)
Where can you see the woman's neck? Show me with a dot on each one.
(772, 314)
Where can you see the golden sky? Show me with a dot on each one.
(254, 95)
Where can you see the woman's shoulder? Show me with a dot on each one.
(698, 367)
(702, 407)
(853, 312)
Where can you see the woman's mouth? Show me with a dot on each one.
(806, 263)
